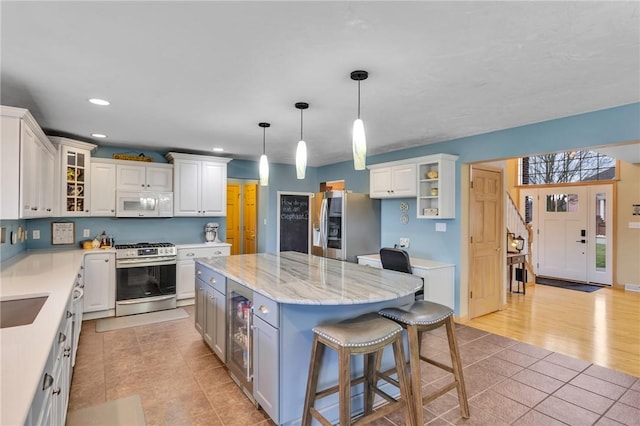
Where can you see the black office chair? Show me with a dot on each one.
(397, 259)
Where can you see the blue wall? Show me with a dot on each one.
(585, 130)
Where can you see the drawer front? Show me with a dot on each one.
(192, 253)
(266, 309)
(369, 262)
(214, 279)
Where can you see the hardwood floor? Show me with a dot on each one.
(602, 327)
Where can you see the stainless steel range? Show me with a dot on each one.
(145, 277)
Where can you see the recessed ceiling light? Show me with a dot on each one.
(218, 149)
(100, 102)
(98, 135)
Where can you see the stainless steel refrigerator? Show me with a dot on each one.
(345, 225)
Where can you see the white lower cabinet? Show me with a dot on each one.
(210, 310)
(99, 281)
(439, 277)
(49, 405)
(185, 265)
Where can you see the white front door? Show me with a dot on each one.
(574, 238)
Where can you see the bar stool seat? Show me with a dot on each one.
(366, 335)
(417, 318)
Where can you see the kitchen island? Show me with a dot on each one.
(293, 292)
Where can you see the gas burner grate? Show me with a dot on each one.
(142, 245)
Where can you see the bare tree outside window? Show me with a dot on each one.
(565, 167)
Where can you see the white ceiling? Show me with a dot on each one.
(196, 75)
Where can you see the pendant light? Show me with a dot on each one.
(359, 140)
(264, 163)
(301, 151)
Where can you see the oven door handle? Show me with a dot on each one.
(136, 263)
(146, 299)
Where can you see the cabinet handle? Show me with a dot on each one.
(190, 254)
(57, 391)
(218, 252)
(47, 382)
(198, 272)
(69, 314)
(48, 210)
(263, 309)
(62, 338)
(34, 208)
(212, 280)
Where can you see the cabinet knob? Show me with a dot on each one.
(49, 210)
(148, 186)
(142, 185)
(190, 254)
(263, 309)
(212, 280)
(69, 314)
(62, 338)
(198, 272)
(112, 210)
(106, 260)
(56, 391)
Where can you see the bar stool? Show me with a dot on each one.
(417, 318)
(366, 335)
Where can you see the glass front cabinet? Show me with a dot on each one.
(436, 186)
(75, 168)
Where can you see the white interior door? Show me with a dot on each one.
(562, 233)
(573, 228)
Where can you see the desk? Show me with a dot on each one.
(438, 277)
(517, 259)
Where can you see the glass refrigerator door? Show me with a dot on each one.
(239, 354)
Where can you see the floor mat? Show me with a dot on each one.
(567, 284)
(108, 324)
(124, 412)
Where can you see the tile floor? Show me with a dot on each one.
(181, 382)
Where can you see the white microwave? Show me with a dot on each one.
(144, 204)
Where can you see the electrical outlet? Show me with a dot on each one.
(36, 234)
(86, 233)
(404, 242)
(441, 227)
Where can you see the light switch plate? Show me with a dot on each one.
(86, 233)
(441, 227)
(634, 225)
(404, 242)
(36, 234)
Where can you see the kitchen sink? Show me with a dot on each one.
(23, 311)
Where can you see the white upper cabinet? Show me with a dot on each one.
(103, 188)
(200, 185)
(436, 187)
(74, 174)
(27, 162)
(143, 177)
(392, 180)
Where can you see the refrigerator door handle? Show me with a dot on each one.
(323, 225)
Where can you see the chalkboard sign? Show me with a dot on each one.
(294, 223)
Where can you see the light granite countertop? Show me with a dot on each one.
(297, 278)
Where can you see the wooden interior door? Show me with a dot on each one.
(249, 219)
(486, 224)
(233, 217)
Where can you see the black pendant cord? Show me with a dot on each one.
(358, 99)
(264, 146)
(301, 125)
